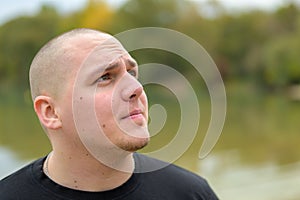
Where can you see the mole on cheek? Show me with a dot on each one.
(81, 98)
(103, 125)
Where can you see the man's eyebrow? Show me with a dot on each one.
(132, 63)
(112, 66)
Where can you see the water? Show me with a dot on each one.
(257, 156)
(265, 181)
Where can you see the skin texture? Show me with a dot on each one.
(88, 99)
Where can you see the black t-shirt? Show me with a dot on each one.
(168, 183)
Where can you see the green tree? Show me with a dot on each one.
(139, 13)
(20, 39)
(282, 62)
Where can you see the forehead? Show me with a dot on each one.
(104, 53)
(97, 54)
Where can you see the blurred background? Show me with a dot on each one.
(255, 46)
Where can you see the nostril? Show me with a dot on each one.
(132, 96)
(132, 93)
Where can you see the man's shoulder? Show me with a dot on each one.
(175, 179)
(152, 165)
(14, 183)
(14, 176)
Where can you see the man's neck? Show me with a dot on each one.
(84, 172)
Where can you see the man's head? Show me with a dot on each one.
(57, 58)
(84, 86)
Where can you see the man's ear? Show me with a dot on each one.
(47, 112)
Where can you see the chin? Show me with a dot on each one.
(134, 144)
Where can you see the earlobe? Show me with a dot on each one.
(46, 112)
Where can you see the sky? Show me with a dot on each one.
(10, 9)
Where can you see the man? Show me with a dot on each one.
(89, 102)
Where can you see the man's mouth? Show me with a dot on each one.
(136, 113)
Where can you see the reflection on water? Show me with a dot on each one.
(233, 180)
(264, 130)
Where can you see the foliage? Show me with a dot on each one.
(257, 46)
(282, 61)
(20, 39)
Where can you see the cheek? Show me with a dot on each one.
(67, 117)
(103, 107)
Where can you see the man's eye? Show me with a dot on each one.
(132, 73)
(104, 77)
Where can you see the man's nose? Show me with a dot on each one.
(132, 88)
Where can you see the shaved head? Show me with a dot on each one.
(58, 60)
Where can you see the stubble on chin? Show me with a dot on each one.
(134, 145)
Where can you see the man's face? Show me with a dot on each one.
(109, 105)
(121, 104)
